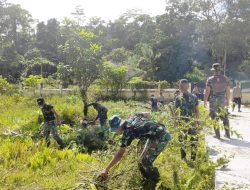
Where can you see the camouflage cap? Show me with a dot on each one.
(40, 100)
(115, 122)
(215, 66)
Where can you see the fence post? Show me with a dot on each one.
(159, 89)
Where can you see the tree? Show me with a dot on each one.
(47, 39)
(113, 78)
(15, 38)
(64, 74)
(119, 56)
(32, 82)
(196, 75)
(84, 56)
(147, 60)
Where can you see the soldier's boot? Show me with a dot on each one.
(59, 141)
(226, 126)
(151, 178)
(233, 106)
(143, 171)
(217, 132)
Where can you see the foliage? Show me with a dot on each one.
(196, 75)
(118, 56)
(5, 86)
(137, 83)
(39, 66)
(32, 81)
(114, 78)
(64, 74)
(83, 55)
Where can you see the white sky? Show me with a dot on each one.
(106, 9)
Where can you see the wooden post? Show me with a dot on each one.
(159, 88)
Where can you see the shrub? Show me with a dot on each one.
(5, 87)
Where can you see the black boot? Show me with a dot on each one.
(217, 132)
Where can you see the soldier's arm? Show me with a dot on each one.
(117, 157)
(56, 114)
(177, 112)
(207, 92)
(197, 115)
(228, 94)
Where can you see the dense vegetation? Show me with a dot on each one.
(26, 163)
(96, 57)
(182, 42)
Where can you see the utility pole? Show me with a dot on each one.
(225, 60)
(41, 84)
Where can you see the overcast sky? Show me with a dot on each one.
(106, 9)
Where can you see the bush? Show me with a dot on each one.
(5, 87)
(113, 78)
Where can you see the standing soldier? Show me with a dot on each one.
(101, 113)
(152, 135)
(218, 92)
(51, 119)
(237, 95)
(154, 106)
(161, 98)
(187, 108)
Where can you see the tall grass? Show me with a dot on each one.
(26, 163)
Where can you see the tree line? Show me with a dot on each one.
(182, 42)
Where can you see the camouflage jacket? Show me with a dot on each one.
(48, 114)
(139, 127)
(186, 105)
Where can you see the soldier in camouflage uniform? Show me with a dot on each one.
(218, 93)
(102, 113)
(154, 137)
(186, 106)
(50, 122)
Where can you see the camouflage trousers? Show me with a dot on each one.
(151, 148)
(51, 127)
(103, 122)
(183, 138)
(218, 110)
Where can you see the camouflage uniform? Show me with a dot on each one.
(153, 137)
(217, 101)
(186, 104)
(154, 105)
(50, 125)
(102, 113)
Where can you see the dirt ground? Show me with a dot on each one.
(235, 174)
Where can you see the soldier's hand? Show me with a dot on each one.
(41, 133)
(205, 104)
(103, 174)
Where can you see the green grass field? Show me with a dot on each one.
(26, 163)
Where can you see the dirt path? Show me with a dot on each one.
(237, 173)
